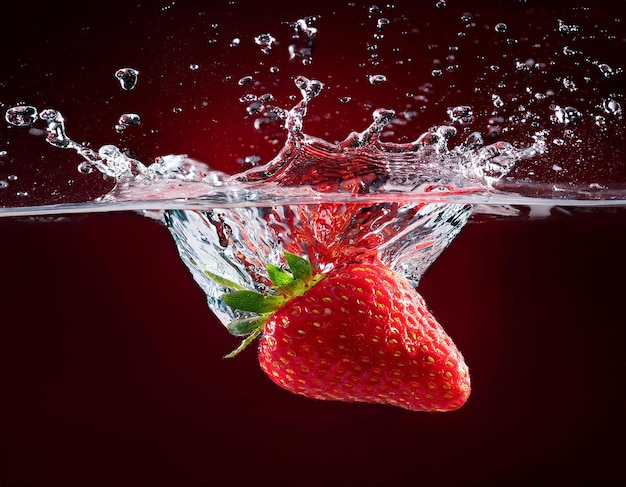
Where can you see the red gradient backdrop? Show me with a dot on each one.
(110, 362)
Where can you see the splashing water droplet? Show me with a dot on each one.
(377, 79)
(497, 101)
(461, 114)
(130, 119)
(606, 70)
(612, 107)
(565, 115)
(245, 81)
(127, 77)
(501, 27)
(21, 116)
(56, 135)
(266, 41)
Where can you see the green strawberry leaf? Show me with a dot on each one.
(278, 276)
(245, 343)
(223, 281)
(246, 326)
(300, 268)
(252, 301)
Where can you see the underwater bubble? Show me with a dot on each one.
(194, 67)
(127, 78)
(21, 116)
(3, 184)
(345, 99)
(235, 42)
(3, 153)
(436, 72)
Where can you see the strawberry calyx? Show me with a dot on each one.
(288, 283)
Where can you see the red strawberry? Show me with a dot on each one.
(359, 333)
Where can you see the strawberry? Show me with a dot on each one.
(358, 333)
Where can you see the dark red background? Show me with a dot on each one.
(110, 362)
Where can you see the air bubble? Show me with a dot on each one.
(21, 116)
(194, 67)
(235, 42)
(436, 73)
(3, 184)
(569, 84)
(245, 81)
(345, 99)
(127, 78)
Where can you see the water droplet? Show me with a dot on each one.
(274, 70)
(21, 116)
(606, 70)
(254, 108)
(245, 81)
(55, 130)
(382, 23)
(501, 27)
(600, 121)
(345, 99)
(3, 184)
(248, 97)
(129, 119)
(565, 115)
(177, 110)
(235, 42)
(266, 41)
(377, 79)
(497, 101)
(441, 4)
(85, 168)
(3, 153)
(612, 107)
(194, 67)
(127, 78)
(436, 72)
(12, 177)
(569, 84)
(558, 142)
(461, 114)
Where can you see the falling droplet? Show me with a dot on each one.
(21, 116)
(127, 78)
